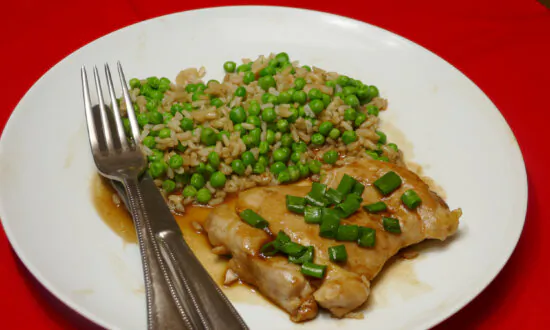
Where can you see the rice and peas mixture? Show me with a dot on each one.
(269, 121)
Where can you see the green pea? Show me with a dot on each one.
(254, 108)
(360, 119)
(281, 154)
(350, 114)
(300, 97)
(126, 125)
(218, 179)
(315, 94)
(273, 63)
(317, 106)
(156, 156)
(229, 66)
(154, 133)
(270, 136)
(214, 159)
(154, 82)
(265, 98)
(284, 98)
(295, 157)
(372, 154)
(168, 186)
(197, 96)
(269, 115)
(307, 67)
(197, 180)
(291, 91)
(372, 110)
(237, 115)
(282, 58)
(330, 83)
(293, 115)
(208, 136)
(267, 71)
(349, 90)
(254, 120)
(142, 119)
(373, 91)
(393, 146)
(314, 166)
(299, 83)
(238, 166)
(294, 173)
(191, 88)
(167, 117)
(165, 80)
(201, 168)
(187, 106)
(317, 139)
(238, 128)
(277, 167)
(244, 68)
(248, 158)
(151, 105)
(363, 93)
(383, 138)
(326, 100)
(249, 77)
(286, 140)
(240, 91)
(301, 111)
(283, 177)
(282, 125)
(263, 147)
(340, 95)
(186, 124)
(156, 95)
(145, 90)
(217, 102)
(175, 161)
(342, 80)
(204, 196)
(149, 142)
(176, 107)
(156, 169)
(325, 128)
(189, 191)
(163, 87)
(222, 133)
(135, 83)
(267, 82)
(256, 135)
(330, 157)
(349, 137)
(351, 100)
(304, 170)
(258, 168)
(180, 147)
(272, 99)
(248, 141)
(299, 146)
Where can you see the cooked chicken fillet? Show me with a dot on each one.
(345, 286)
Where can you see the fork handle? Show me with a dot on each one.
(163, 311)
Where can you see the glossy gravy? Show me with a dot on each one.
(120, 221)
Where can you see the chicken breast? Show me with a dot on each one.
(346, 286)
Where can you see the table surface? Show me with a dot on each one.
(502, 45)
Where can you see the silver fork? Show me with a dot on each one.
(179, 291)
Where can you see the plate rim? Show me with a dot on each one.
(431, 322)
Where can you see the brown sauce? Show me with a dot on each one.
(120, 221)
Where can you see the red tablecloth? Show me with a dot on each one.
(502, 45)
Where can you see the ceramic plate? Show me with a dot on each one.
(441, 120)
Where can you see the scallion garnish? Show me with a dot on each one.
(313, 270)
(329, 225)
(293, 249)
(317, 194)
(346, 184)
(388, 183)
(391, 225)
(358, 188)
(375, 207)
(295, 204)
(254, 219)
(313, 214)
(411, 199)
(347, 233)
(269, 249)
(334, 196)
(338, 253)
(307, 256)
(367, 237)
(351, 204)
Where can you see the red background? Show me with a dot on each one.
(502, 45)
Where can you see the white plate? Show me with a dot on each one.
(459, 138)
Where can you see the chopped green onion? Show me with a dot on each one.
(375, 207)
(293, 249)
(338, 253)
(346, 184)
(313, 270)
(313, 214)
(388, 182)
(269, 249)
(253, 219)
(307, 256)
(317, 194)
(351, 204)
(347, 233)
(411, 199)
(281, 240)
(367, 237)
(391, 225)
(295, 204)
(334, 196)
(329, 225)
(358, 189)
